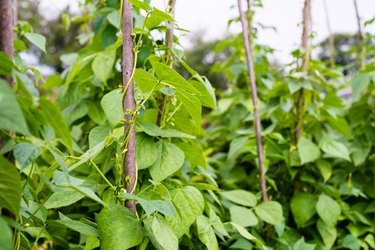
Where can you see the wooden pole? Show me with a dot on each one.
(170, 33)
(331, 38)
(254, 96)
(6, 30)
(130, 169)
(361, 47)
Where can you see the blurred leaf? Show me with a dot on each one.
(26, 153)
(206, 233)
(38, 40)
(328, 209)
(146, 151)
(307, 150)
(240, 197)
(10, 187)
(102, 65)
(160, 233)
(303, 208)
(112, 106)
(243, 216)
(270, 212)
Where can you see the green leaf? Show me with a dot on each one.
(206, 233)
(328, 209)
(189, 204)
(169, 159)
(63, 198)
(6, 65)
(243, 216)
(145, 81)
(243, 232)
(359, 84)
(160, 233)
(52, 116)
(186, 93)
(10, 113)
(307, 150)
(77, 226)
(140, 4)
(351, 242)
(26, 153)
(112, 106)
(114, 18)
(193, 153)
(270, 212)
(240, 197)
(103, 64)
(328, 233)
(10, 187)
(146, 151)
(157, 17)
(207, 93)
(334, 148)
(153, 130)
(38, 40)
(303, 208)
(119, 228)
(6, 235)
(98, 134)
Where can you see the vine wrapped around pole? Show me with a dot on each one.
(305, 41)
(258, 131)
(130, 169)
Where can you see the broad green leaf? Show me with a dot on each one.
(207, 94)
(328, 233)
(359, 84)
(193, 153)
(92, 242)
(119, 228)
(206, 233)
(240, 197)
(325, 169)
(189, 204)
(236, 145)
(169, 159)
(243, 216)
(38, 40)
(302, 245)
(157, 17)
(114, 18)
(102, 65)
(334, 148)
(243, 232)
(10, 113)
(146, 151)
(63, 198)
(328, 209)
(351, 242)
(52, 116)
(217, 224)
(307, 150)
(341, 126)
(6, 64)
(10, 186)
(98, 134)
(6, 235)
(52, 81)
(303, 208)
(186, 93)
(89, 154)
(140, 4)
(153, 130)
(145, 81)
(160, 233)
(77, 226)
(112, 106)
(270, 212)
(26, 153)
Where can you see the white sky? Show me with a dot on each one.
(211, 17)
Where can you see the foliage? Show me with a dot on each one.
(63, 142)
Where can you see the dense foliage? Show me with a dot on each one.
(63, 145)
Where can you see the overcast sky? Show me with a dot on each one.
(211, 17)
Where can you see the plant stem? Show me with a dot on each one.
(361, 52)
(331, 38)
(169, 33)
(305, 41)
(130, 169)
(251, 72)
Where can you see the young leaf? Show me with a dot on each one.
(140, 4)
(38, 40)
(145, 81)
(307, 150)
(270, 212)
(157, 17)
(11, 116)
(328, 209)
(77, 226)
(160, 233)
(170, 159)
(243, 216)
(153, 130)
(112, 106)
(10, 186)
(63, 198)
(119, 228)
(26, 153)
(114, 18)
(240, 197)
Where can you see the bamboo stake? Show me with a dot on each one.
(361, 52)
(331, 38)
(258, 130)
(305, 41)
(170, 33)
(6, 30)
(130, 169)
